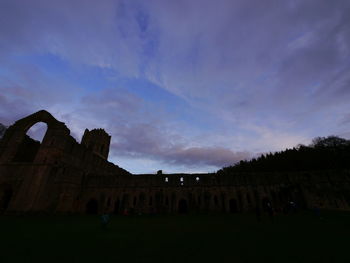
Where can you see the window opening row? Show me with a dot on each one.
(181, 179)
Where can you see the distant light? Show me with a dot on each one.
(181, 179)
(166, 179)
(197, 178)
(182, 183)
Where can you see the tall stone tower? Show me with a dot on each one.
(97, 140)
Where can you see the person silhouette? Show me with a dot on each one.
(104, 220)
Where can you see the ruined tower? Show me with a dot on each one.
(97, 140)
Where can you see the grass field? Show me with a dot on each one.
(187, 238)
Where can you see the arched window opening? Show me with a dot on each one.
(5, 198)
(166, 179)
(92, 207)
(37, 131)
(29, 147)
(181, 181)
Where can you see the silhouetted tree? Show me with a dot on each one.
(330, 141)
(329, 152)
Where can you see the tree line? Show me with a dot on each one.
(324, 153)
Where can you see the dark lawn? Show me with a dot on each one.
(188, 238)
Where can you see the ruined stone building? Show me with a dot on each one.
(60, 175)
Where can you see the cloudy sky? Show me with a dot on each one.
(185, 85)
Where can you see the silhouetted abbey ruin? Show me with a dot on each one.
(61, 175)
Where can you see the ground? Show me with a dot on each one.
(182, 238)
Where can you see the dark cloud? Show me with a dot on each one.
(150, 137)
(146, 140)
(215, 156)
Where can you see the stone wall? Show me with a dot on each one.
(67, 177)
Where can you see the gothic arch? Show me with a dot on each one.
(92, 207)
(15, 134)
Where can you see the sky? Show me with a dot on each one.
(181, 86)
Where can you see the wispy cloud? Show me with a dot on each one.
(235, 77)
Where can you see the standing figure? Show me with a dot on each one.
(104, 220)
